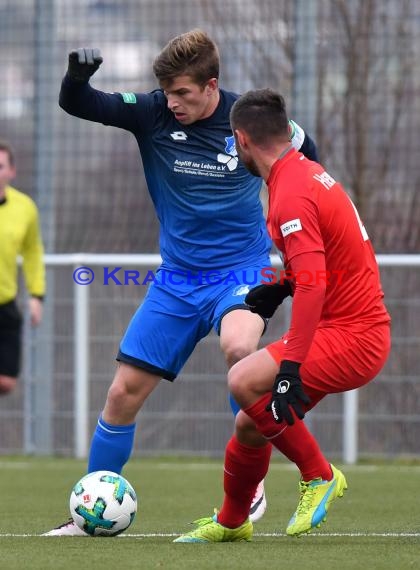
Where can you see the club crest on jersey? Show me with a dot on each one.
(179, 136)
(230, 147)
(231, 156)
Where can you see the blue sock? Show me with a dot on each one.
(111, 447)
(233, 405)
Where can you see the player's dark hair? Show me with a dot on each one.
(262, 114)
(7, 148)
(193, 54)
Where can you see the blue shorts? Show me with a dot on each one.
(178, 311)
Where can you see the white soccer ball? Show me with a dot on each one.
(103, 503)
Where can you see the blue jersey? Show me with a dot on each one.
(207, 203)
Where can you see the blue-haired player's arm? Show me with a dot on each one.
(309, 149)
(125, 110)
(302, 141)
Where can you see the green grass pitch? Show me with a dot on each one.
(375, 526)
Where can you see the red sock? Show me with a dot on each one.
(295, 442)
(244, 468)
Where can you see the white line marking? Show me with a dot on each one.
(258, 534)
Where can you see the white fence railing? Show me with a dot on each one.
(81, 340)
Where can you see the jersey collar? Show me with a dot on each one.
(284, 157)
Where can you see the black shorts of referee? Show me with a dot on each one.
(10, 339)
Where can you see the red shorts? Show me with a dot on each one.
(340, 359)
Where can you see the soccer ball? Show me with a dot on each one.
(103, 503)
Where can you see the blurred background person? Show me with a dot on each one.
(19, 236)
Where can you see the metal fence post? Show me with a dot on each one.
(304, 106)
(81, 369)
(41, 376)
(350, 426)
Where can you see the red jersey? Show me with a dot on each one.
(326, 250)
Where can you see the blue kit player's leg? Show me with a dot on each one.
(111, 446)
(234, 406)
(239, 329)
(158, 341)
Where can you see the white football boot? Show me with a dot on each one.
(69, 528)
(259, 503)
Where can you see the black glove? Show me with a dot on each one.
(288, 391)
(264, 299)
(83, 63)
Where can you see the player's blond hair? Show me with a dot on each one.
(193, 53)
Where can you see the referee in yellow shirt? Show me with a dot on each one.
(19, 235)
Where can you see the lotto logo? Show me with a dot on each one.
(179, 136)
